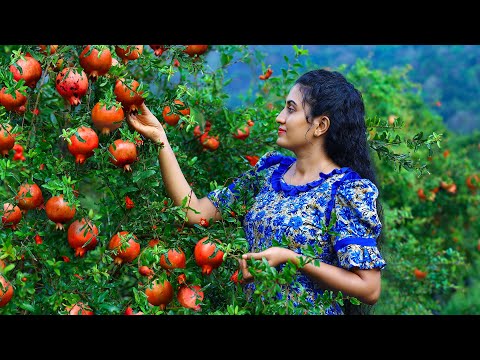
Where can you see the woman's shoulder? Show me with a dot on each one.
(271, 158)
(352, 183)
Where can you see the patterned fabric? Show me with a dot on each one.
(278, 209)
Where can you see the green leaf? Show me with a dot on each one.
(140, 175)
(27, 307)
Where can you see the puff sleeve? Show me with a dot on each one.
(357, 225)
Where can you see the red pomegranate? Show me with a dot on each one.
(210, 143)
(190, 296)
(2, 264)
(96, 63)
(82, 236)
(472, 181)
(124, 153)
(7, 140)
(129, 311)
(128, 96)
(145, 271)
(52, 49)
(197, 50)
(203, 255)
(18, 156)
(160, 294)
(6, 291)
(107, 120)
(71, 85)
(129, 253)
(83, 142)
(79, 309)
(59, 211)
(11, 216)
(29, 197)
(242, 134)
(31, 71)
(171, 117)
(158, 49)
(16, 104)
(173, 259)
(132, 52)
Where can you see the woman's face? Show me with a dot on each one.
(293, 131)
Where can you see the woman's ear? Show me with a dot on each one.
(322, 125)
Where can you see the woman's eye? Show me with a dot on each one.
(290, 109)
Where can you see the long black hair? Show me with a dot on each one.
(329, 93)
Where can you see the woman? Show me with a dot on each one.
(323, 124)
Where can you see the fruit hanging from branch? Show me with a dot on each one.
(96, 63)
(158, 49)
(6, 291)
(195, 50)
(72, 85)
(82, 144)
(160, 294)
(125, 253)
(11, 103)
(107, 119)
(131, 52)
(126, 93)
(80, 309)
(7, 140)
(30, 70)
(170, 116)
(190, 296)
(29, 196)
(11, 216)
(204, 255)
(82, 236)
(59, 211)
(173, 259)
(124, 153)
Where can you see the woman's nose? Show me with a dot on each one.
(280, 119)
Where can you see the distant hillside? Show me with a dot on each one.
(449, 74)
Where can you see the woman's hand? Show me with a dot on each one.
(274, 255)
(146, 124)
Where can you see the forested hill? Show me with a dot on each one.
(449, 75)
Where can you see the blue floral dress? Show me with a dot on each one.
(300, 212)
